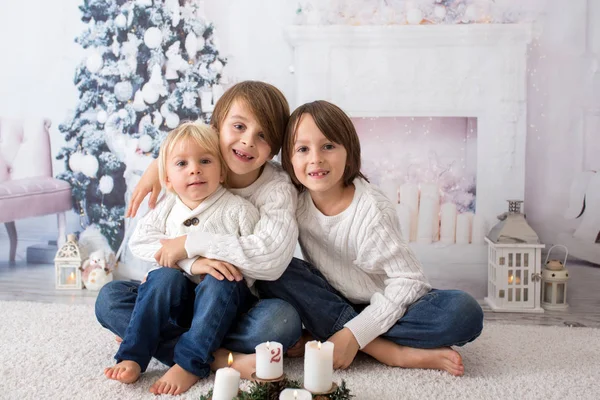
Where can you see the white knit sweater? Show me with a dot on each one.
(220, 213)
(266, 253)
(362, 254)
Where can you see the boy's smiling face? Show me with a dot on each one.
(243, 145)
(318, 162)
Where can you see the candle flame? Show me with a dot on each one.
(319, 344)
(295, 394)
(72, 276)
(230, 360)
(511, 279)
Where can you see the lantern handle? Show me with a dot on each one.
(557, 245)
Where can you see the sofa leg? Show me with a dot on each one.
(12, 236)
(62, 224)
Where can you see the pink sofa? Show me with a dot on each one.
(27, 186)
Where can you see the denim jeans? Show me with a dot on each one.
(438, 319)
(172, 319)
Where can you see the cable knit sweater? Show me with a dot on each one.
(362, 254)
(266, 253)
(220, 213)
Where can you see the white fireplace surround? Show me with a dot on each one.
(476, 70)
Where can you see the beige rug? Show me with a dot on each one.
(54, 351)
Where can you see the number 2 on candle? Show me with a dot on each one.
(276, 355)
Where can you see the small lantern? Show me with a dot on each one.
(67, 263)
(514, 264)
(554, 282)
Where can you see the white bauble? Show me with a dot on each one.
(138, 102)
(75, 161)
(171, 72)
(200, 43)
(150, 95)
(102, 116)
(164, 110)
(472, 13)
(191, 44)
(146, 120)
(123, 113)
(144, 3)
(121, 21)
(439, 11)
(217, 66)
(158, 119)
(123, 90)
(172, 120)
(106, 184)
(414, 16)
(145, 143)
(153, 37)
(94, 62)
(89, 165)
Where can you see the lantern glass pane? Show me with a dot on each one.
(518, 294)
(526, 260)
(518, 277)
(560, 293)
(525, 276)
(510, 259)
(525, 294)
(510, 295)
(511, 277)
(548, 292)
(67, 275)
(518, 263)
(502, 260)
(501, 294)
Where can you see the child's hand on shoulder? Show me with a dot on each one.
(345, 348)
(218, 269)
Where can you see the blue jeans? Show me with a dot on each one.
(170, 318)
(440, 318)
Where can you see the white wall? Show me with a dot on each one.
(39, 59)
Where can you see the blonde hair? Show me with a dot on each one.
(199, 133)
(266, 103)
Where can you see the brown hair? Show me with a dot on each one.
(267, 104)
(203, 135)
(335, 126)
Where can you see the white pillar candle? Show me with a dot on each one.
(432, 190)
(479, 230)
(448, 223)
(425, 224)
(269, 360)
(318, 366)
(463, 228)
(404, 214)
(409, 196)
(295, 394)
(227, 383)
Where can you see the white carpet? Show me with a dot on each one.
(54, 351)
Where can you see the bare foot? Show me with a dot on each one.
(297, 350)
(126, 371)
(444, 359)
(245, 364)
(118, 339)
(175, 381)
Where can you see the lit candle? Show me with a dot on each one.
(71, 278)
(227, 382)
(295, 394)
(409, 196)
(318, 366)
(269, 360)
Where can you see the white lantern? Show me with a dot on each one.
(514, 264)
(67, 265)
(554, 282)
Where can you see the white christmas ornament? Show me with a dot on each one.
(439, 11)
(145, 143)
(172, 120)
(121, 21)
(153, 37)
(123, 113)
(106, 184)
(150, 95)
(217, 66)
(164, 110)
(158, 119)
(75, 161)
(89, 165)
(101, 117)
(171, 71)
(414, 16)
(138, 102)
(146, 120)
(144, 3)
(94, 62)
(191, 44)
(123, 91)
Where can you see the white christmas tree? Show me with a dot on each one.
(149, 64)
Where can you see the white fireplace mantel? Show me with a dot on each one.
(476, 70)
